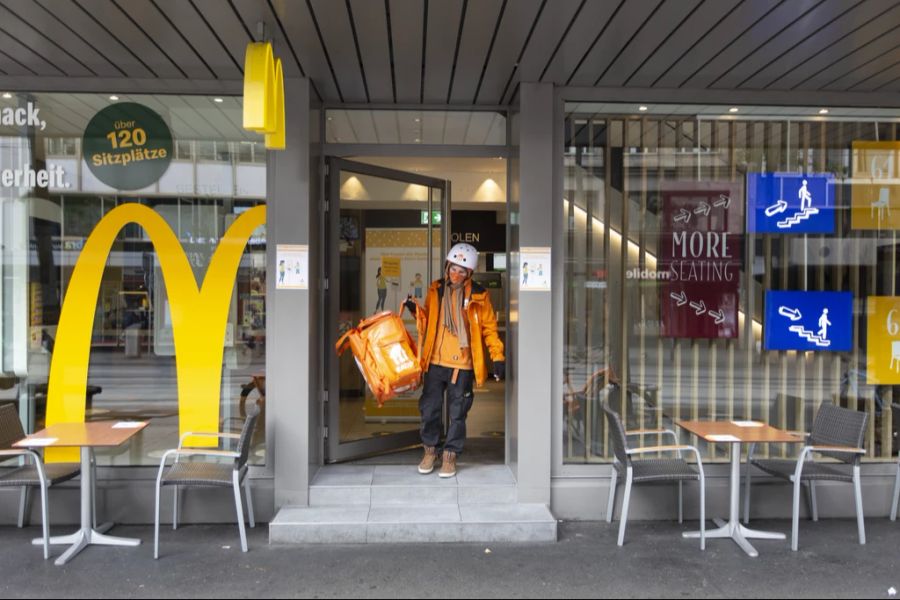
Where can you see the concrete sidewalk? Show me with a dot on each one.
(205, 561)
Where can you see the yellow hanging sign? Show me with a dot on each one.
(264, 94)
(883, 352)
(199, 318)
(875, 186)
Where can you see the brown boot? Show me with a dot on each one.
(427, 464)
(448, 464)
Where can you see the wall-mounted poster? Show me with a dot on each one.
(874, 188)
(292, 268)
(535, 270)
(700, 259)
(809, 321)
(883, 347)
(790, 203)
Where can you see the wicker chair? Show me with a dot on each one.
(211, 473)
(36, 474)
(649, 470)
(836, 433)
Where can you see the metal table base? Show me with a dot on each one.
(733, 528)
(86, 535)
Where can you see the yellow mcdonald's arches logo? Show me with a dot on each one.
(199, 319)
(264, 94)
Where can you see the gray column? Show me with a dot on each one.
(290, 323)
(533, 343)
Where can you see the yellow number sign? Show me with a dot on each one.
(199, 318)
(875, 187)
(883, 352)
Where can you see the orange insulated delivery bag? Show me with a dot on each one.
(385, 354)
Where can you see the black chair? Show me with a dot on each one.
(36, 474)
(836, 433)
(649, 470)
(210, 473)
(895, 419)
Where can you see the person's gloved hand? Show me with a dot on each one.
(410, 305)
(499, 370)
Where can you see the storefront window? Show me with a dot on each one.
(217, 173)
(728, 267)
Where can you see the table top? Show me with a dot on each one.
(96, 434)
(762, 433)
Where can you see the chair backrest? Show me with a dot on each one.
(836, 426)
(616, 434)
(243, 447)
(10, 426)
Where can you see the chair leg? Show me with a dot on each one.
(681, 502)
(623, 520)
(156, 523)
(702, 511)
(175, 495)
(23, 504)
(45, 522)
(249, 494)
(795, 518)
(614, 478)
(747, 493)
(896, 493)
(813, 505)
(857, 489)
(240, 510)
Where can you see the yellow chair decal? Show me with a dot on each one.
(199, 318)
(264, 94)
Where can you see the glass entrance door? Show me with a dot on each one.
(387, 238)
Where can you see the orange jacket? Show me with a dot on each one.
(482, 327)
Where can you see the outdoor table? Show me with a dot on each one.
(737, 433)
(96, 434)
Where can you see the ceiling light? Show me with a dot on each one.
(823, 111)
(642, 108)
(219, 100)
(7, 95)
(733, 109)
(113, 98)
(418, 120)
(418, 140)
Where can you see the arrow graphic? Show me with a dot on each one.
(723, 201)
(703, 209)
(681, 298)
(699, 308)
(683, 215)
(718, 316)
(778, 207)
(791, 313)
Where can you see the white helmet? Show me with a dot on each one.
(464, 255)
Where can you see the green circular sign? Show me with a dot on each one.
(127, 146)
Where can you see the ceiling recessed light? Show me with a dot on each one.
(418, 140)
(7, 95)
(733, 109)
(823, 111)
(113, 98)
(219, 100)
(418, 120)
(642, 108)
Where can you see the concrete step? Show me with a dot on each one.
(357, 504)
(439, 523)
(402, 485)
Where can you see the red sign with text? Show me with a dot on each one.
(700, 260)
